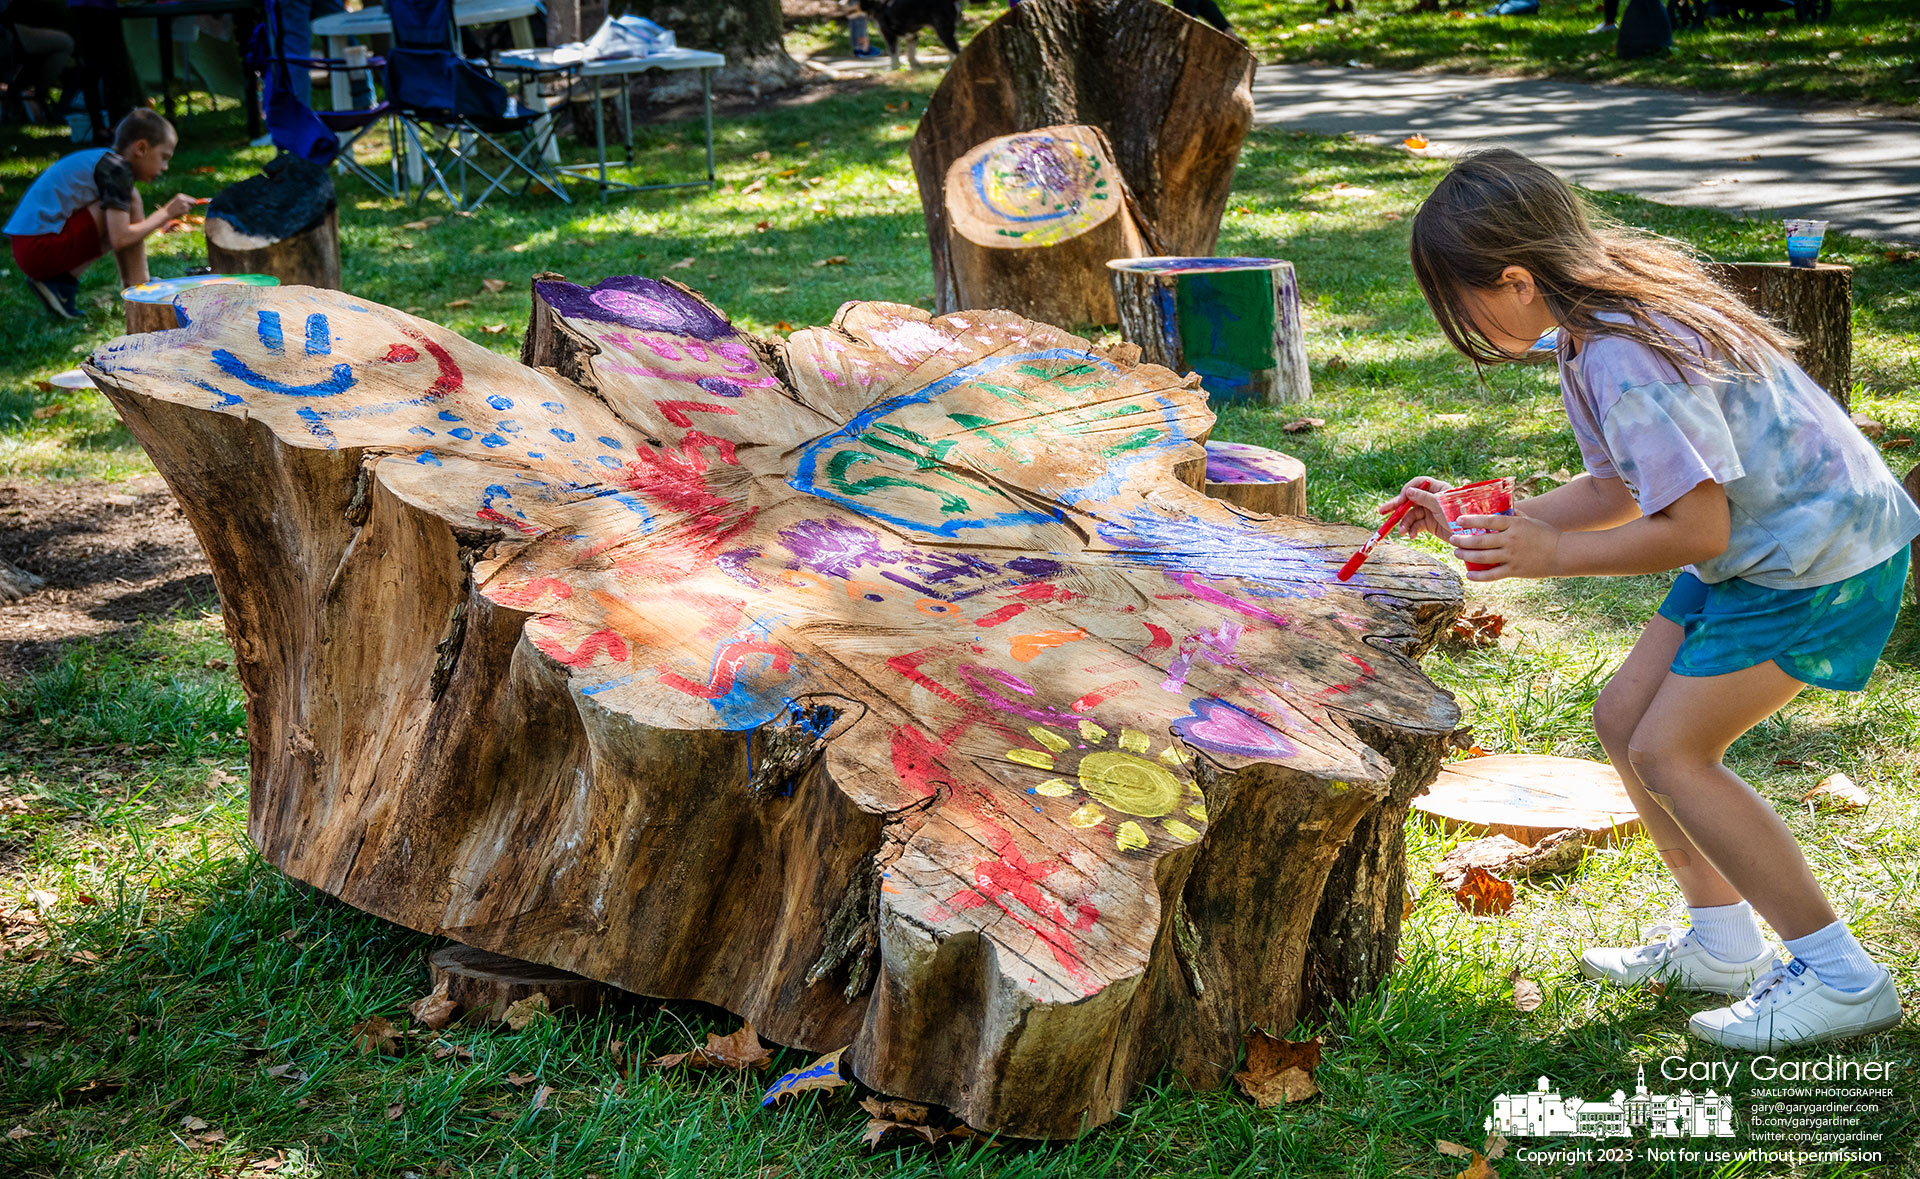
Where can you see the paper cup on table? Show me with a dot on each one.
(1803, 240)
(1489, 497)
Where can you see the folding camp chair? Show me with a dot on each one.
(456, 110)
(316, 135)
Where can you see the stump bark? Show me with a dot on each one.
(1235, 321)
(1173, 97)
(1814, 304)
(309, 258)
(883, 685)
(1256, 478)
(1033, 220)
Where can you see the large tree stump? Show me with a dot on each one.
(1235, 321)
(1033, 220)
(1174, 98)
(882, 685)
(283, 222)
(1814, 304)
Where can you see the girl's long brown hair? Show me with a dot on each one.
(1496, 208)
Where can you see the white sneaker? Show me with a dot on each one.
(1603, 27)
(1676, 957)
(1789, 1005)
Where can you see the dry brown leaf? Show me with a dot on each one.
(1837, 792)
(17, 1133)
(835, 260)
(423, 223)
(455, 303)
(763, 155)
(395, 1111)
(1278, 1071)
(823, 1073)
(1453, 1148)
(540, 1096)
(1483, 894)
(43, 899)
(742, 1049)
(443, 1051)
(522, 1012)
(899, 185)
(1475, 629)
(1869, 426)
(191, 1124)
(762, 226)
(494, 285)
(756, 186)
(682, 264)
(1526, 992)
(878, 1128)
(376, 1035)
(1496, 1146)
(286, 1072)
(1479, 1168)
(49, 411)
(891, 1110)
(522, 1080)
(1302, 425)
(493, 329)
(434, 1010)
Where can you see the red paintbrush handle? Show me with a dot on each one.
(1354, 562)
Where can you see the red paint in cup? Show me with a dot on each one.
(1489, 497)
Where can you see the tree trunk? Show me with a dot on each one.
(1235, 321)
(1033, 221)
(751, 33)
(309, 258)
(1257, 479)
(1173, 97)
(884, 686)
(282, 222)
(1814, 304)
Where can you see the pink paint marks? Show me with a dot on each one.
(599, 641)
(495, 516)
(1207, 593)
(1044, 591)
(1001, 615)
(1009, 879)
(1099, 696)
(531, 592)
(677, 411)
(1161, 639)
(1366, 673)
(1217, 644)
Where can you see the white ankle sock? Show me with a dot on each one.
(1728, 932)
(1834, 955)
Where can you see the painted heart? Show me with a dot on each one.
(1222, 728)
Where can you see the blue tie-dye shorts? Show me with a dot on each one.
(1829, 636)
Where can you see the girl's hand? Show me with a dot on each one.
(1516, 546)
(1425, 515)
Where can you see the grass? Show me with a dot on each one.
(1869, 51)
(169, 968)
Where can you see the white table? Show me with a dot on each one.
(556, 61)
(374, 22)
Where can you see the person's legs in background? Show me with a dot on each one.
(1609, 17)
(46, 53)
(1205, 10)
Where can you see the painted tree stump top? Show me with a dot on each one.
(1529, 797)
(1243, 462)
(1037, 188)
(166, 290)
(949, 556)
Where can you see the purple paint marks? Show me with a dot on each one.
(1217, 644)
(834, 548)
(978, 679)
(1192, 265)
(1238, 462)
(734, 564)
(1214, 550)
(637, 302)
(1219, 726)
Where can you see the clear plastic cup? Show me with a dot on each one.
(1489, 497)
(1803, 241)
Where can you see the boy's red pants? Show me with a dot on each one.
(53, 255)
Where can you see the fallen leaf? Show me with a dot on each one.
(835, 260)
(432, 1011)
(1837, 792)
(376, 1035)
(878, 1128)
(540, 1096)
(1496, 1146)
(287, 1072)
(756, 186)
(406, 245)
(1526, 992)
(1393, 216)
(891, 1110)
(762, 226)
(191, 1124)
(42, 898)
(423, 223)
(1475, 629)
(493, 329)
(763, 155)
(1278, 1071)
(1453, 1148)
(1869, 426)
(443, 1051)
(92, 1091)
(522, 1012)
(460, 303)
(899, 185)
(395, 1110)
(1415, 142)
(494, 285)
(682, 264)
(1900, 443)
(17, 1133)
(742, 1049)
(1479, 1169)
(1483, 894)
(1347, 191)
(521, 1080)
(49, 411)
(211, 1138)
(823, 1073)
(1302, 425)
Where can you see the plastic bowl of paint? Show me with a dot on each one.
(1489, 497)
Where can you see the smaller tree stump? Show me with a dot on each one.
(1235, 321)
(1033, 219)
(1257, 479)
(1529, 798)
(282, 223)
(486, 984)
(1814, 304)
(150, 307)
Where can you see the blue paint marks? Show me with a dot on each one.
(610, 443)
(427, 460)
(447, 415)
(507, 426)
(319, 337)
(790, 1082)
(1217, 551)
(422, 430)
(226, 398)
(493, 440)
(562, 435)
(269, 329)
(499, 402)
(461, 432)
(318, 427)
(340, 381)
(535, 454)
(1108, 484)
(607, 461)
(553, 407)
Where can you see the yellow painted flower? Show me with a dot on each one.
(1122, 776)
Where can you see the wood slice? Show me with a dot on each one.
(1256, 478)
(486, 984)
(1814, 304)
(1234, 321)
(150, 306)
(1034, 217)
(882, 685)
(310, 258)
(1173, 97)
(1528, 798)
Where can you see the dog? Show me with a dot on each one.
(905, 18)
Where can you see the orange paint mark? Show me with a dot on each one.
(937, 608)
(1028, 647)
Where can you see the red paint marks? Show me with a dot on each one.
(528, 594)
(1366, 673)
(726, 665)
(1099, 696)
(1207, 593)
(1044, 591)
(1001, 615)
(495, 516)
(1010, 878)
(600, 640)
(399, 354)
(909, 665)
(450, 378)
(677, 411)
(1161, 639)
(916, 761)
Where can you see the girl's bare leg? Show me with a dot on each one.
(1675, 752)
(1618, 712)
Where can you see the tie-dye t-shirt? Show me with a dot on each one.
(1811, 500)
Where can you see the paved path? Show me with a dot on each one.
(1731, 153)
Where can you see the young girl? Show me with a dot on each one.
(1706, 449)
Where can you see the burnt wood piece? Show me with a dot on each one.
(883, 685)
(1174, 98)
(1814, 304)
(283, 222)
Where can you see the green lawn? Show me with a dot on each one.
(173, 968)
(1868, 51)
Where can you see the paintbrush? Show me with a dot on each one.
(1354, 562)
